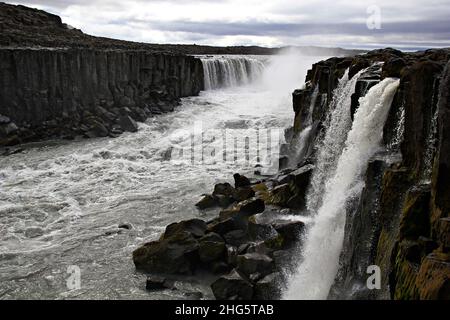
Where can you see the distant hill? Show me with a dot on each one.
(21, 26)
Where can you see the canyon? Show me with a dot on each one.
(362, 179)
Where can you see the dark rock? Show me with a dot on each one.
(223, 189)
(157, 283)
(232, 285)
(269, 287)
(243, 193)
(195, 227)
(175, 255)
(289, 230)
(128, 124)
(251, 206)
(211, 250)
(240, 181)
(251, 263)
(259, 231)
(219, 267)
(222, 226)
(207, 201)
(236, 237)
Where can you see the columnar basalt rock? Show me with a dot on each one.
(400, 223)
(54, 93)
(57, 82)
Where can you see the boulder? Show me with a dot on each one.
(158, 283)
(289, 230)
(221, 226)
(211, 248)
(175, 255)
(195, 227)
(269, 287)
(259, 231)
(250, 263)
(232, 286)
(243, 193)
(240, 180)
(207, 201)
(223, 189)
(236, 237)
(128, 124)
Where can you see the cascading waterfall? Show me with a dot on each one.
(338, 123)
(230, 71)
(316, 273)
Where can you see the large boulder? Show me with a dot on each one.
(195, 227)
(211, 248)
(289, 230)
(128, 124)
(206, 202)
(232, 286)
(177, 254)
(251, 263)
(269, 287)
(240, 180)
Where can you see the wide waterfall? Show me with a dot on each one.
(230, 71)
(343, 182)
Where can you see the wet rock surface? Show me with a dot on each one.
(399, 222)
(244, 247)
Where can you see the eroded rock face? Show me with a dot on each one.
(400, 221)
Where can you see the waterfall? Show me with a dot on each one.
(338, 123)
(316, 273)
(230, 71)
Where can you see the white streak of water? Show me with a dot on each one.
(315, 275)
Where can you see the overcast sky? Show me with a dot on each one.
(410, 24)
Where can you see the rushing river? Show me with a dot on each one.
(61, 203)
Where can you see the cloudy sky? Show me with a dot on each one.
(410, 24)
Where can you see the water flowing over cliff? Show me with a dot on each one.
(376, 138)
(317, 271)
(230, 71)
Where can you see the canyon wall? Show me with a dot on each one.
(57, 82)
(401, 221)
(49, 93)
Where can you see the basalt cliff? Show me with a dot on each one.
(57, 82)
(400, 222)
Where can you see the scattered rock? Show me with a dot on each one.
(128, 124)
(207, 201)
(250, 263)
(236, 237)
(195, 227)
(175, 255)
(240, 181)
(232, 285)
(269, 287)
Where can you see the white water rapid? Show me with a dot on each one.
(317, 270)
